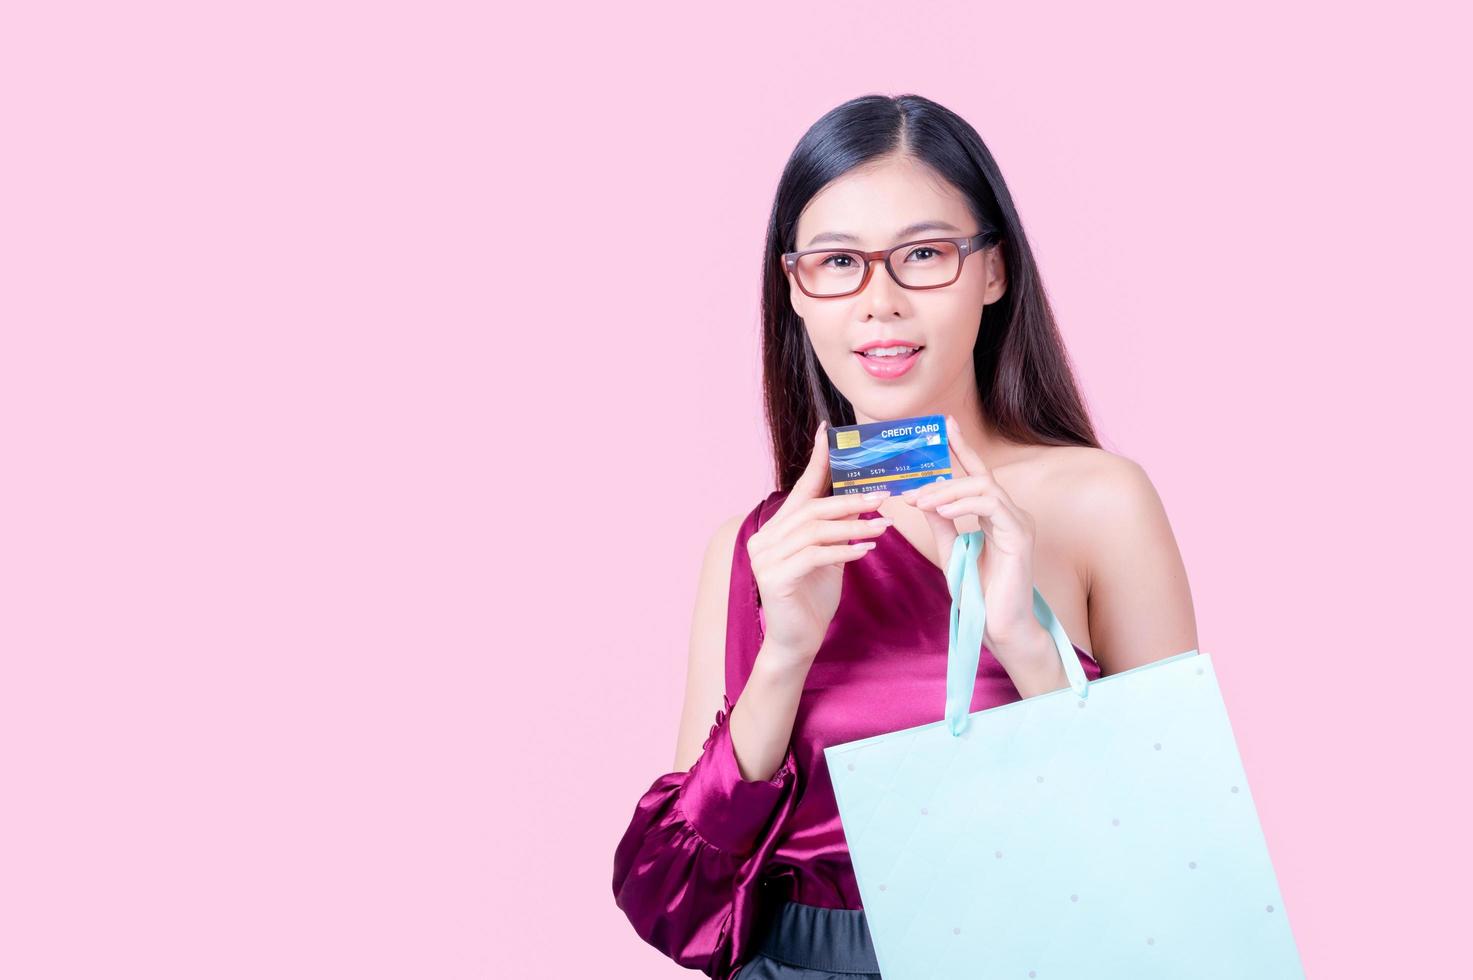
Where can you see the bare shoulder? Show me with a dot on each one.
(1102, 483)
(716, 563)
(1105, 511)
(705, 675)
(1095, 497)
(1074, 484)
(1113, 498)
(1079, 482)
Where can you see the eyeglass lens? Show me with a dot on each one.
(919, 265)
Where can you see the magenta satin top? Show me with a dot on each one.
(706, 848)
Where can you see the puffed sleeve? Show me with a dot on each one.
(688, 868)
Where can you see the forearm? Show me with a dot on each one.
(1037, 668)
(762, 718)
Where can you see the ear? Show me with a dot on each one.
(997, 275)
(796, 297)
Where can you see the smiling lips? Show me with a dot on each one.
(888, 358)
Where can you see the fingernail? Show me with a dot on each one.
(880, 521)
(877, 495)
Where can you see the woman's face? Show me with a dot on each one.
(875, 207)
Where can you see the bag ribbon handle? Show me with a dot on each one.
(968, 626)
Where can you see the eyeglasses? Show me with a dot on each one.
(931, 263)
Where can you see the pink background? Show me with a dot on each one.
(340, 639)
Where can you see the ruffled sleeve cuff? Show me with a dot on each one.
(730, 812)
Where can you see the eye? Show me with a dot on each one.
(915, 253)
(836, 258)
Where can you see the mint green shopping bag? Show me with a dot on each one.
(1098, 831)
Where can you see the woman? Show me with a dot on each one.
(821, 619)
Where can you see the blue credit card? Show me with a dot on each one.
(895, 455)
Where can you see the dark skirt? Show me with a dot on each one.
(812, 943)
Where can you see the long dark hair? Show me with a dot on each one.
(1024, 380)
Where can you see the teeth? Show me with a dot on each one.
(889, 351)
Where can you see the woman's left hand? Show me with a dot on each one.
(1005, 568)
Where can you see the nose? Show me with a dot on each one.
(882, 297)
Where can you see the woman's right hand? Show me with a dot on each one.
(798, 557)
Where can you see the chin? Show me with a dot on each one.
(885, 409)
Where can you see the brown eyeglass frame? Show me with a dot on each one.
(964, 246)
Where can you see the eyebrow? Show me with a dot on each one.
(901, 235)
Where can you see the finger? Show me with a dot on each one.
(817, 556)
(910, 495)
(813, 482)
(976, 467)
(824, 508)
(972, 464)
(823, 533)
(942, 491)
(778, 543)
(943, 531)
(993, 513)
